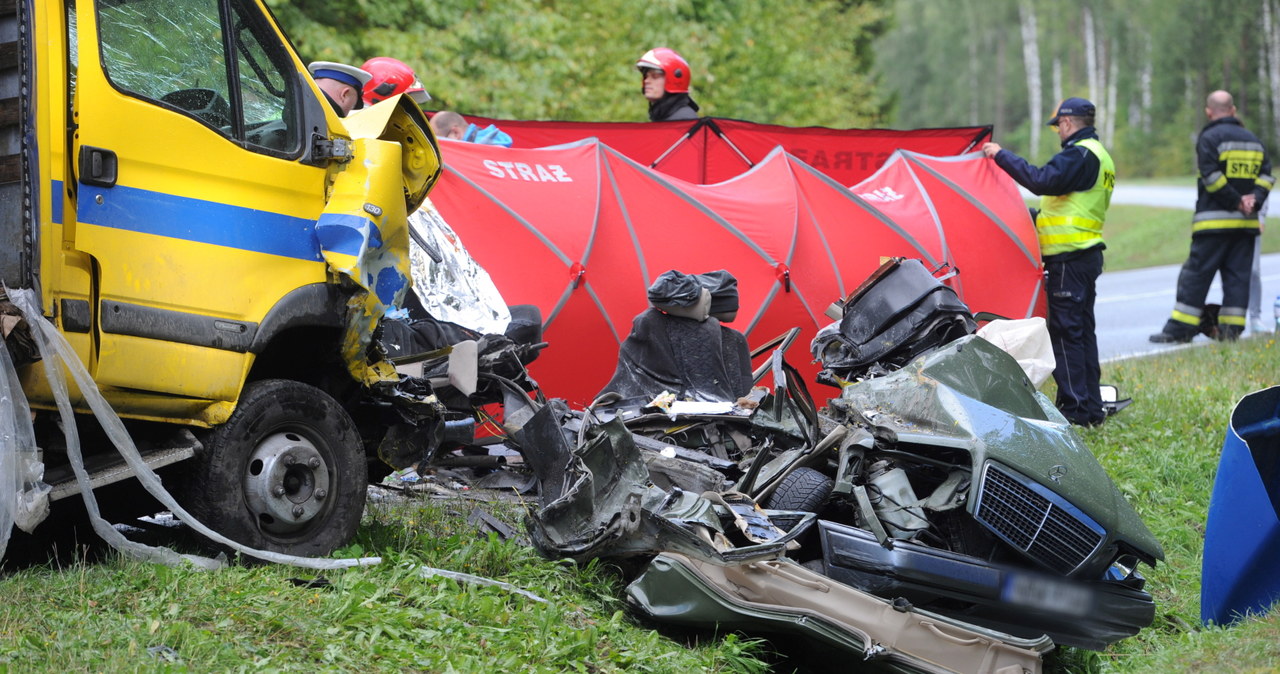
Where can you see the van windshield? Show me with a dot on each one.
(182, 55)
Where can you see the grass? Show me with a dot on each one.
(128, 616)
(1142, 236)
(1163, 453)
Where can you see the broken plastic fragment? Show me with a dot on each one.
(663, 400)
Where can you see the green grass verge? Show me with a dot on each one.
(1163, 453)
(1141, 236)
(126, 616)
(119, 616)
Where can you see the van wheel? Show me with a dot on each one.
(285, 473)
(803, 489)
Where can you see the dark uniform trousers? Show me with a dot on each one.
(1072, 291)
(1228, 251)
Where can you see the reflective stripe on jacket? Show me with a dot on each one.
(1073, 221)
(1232, 163)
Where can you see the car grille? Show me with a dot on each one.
(1036, 521)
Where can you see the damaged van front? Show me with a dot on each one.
(217, 246)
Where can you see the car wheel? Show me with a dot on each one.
(285, 473)
(803, 489)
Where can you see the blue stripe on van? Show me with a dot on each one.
(56, 197)
(148, 212)
(347, 234)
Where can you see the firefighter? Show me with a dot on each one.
(665, 77)
(341, 84)
(1075, 188)
(390, 77)
(1235, 179)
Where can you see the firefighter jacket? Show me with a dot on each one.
(1076, 188)
(1232, 163)
(673, 107)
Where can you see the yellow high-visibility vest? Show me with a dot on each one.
(1074, 221)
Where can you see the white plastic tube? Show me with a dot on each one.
(24, 497)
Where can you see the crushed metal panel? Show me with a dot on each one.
(1005, 598)
(598, 501)
(364, 231)
(365, 238)
(780, 596)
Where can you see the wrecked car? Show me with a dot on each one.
(717, 559)
(939, 478)
(969, 493)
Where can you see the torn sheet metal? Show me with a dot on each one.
(366, 239)
(598, 501)
(451, 285)
(363, 232)
(399, 120)
(780, 596)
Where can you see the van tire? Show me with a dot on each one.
(285, 473)
(803, 489)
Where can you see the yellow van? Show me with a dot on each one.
(168, 165)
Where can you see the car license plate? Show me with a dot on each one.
(1047, 593)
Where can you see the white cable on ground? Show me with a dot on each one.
(431, 572)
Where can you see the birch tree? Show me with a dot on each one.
(1271, 40)
(1057, 79)
(1112, 108)
(1091, 53)
(975, 63)
(1031, 61)
(1145, 86)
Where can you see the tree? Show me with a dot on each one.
(1031, 62)
(794, 63)
(1147, 64)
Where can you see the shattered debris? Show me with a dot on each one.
(486, 522)
(937, 485)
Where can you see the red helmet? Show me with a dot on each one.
(672, 65)
(391, 77)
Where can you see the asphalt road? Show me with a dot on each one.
(1160, 196)
(1135, 303)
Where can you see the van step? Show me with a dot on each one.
(105, 469)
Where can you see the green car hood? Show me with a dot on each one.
(973, 396)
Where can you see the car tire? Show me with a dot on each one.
(803, 489)
(285, 473)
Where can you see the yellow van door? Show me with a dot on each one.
(197, 189)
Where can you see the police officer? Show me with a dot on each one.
(1235, 179)
(341, 84)
(664, 81)
(1075, 188)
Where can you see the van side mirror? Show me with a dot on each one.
(318, 147)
